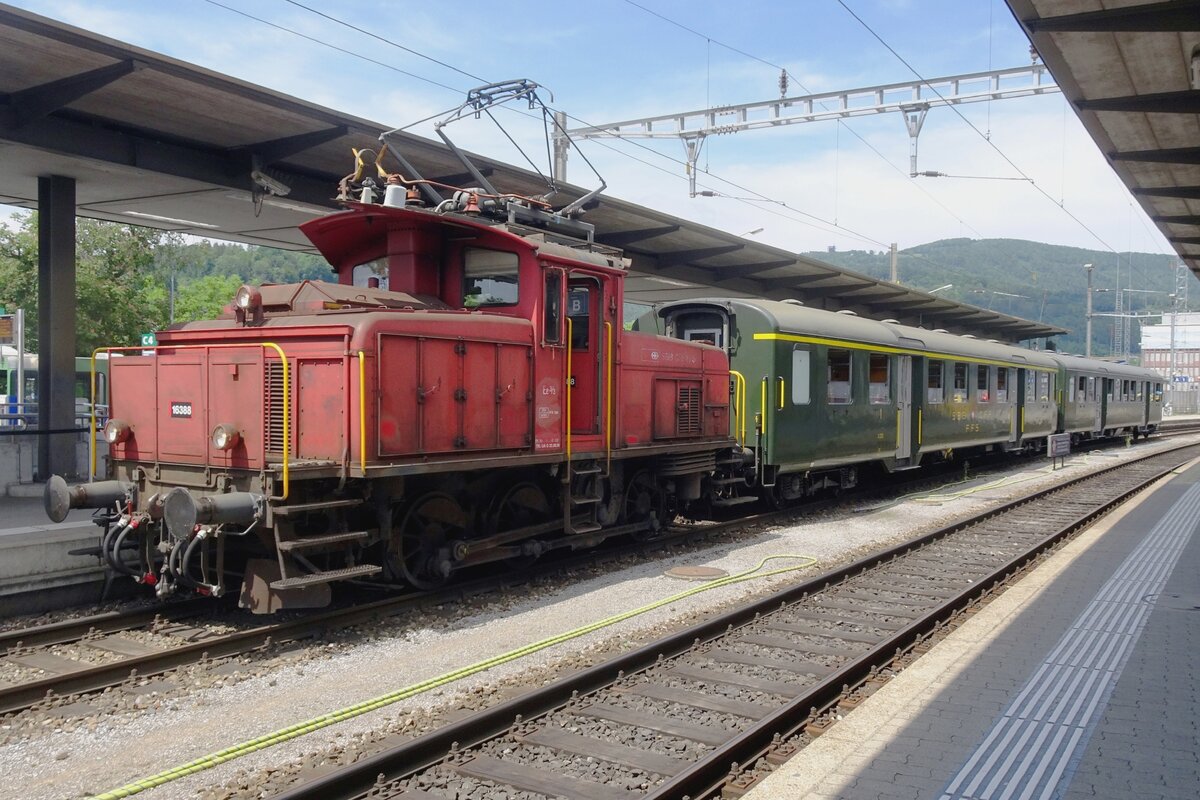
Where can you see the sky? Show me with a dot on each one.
(807, 186)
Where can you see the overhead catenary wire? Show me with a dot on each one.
(973, 127)
(334, 19)
(785, 71)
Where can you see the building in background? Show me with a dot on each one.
(1173, 349)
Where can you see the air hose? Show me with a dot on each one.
(358, 709)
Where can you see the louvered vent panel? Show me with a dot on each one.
(687, 420)
(273, 406)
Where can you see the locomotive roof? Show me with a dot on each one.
(816, 325)
(359, 234)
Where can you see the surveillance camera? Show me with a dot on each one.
(269, 184)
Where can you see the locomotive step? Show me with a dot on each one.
(592, 470)
(328, 576)
(309, 542)
(303, 508)
(584, 501)
(726, 481)
(726, 502)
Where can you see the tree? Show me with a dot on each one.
(111, 262)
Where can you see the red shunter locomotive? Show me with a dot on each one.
(465, 393)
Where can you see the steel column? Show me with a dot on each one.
(56, 325)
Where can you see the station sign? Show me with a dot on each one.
(8, 329)
(149, 340)
(1058, 445)
(1182, 379)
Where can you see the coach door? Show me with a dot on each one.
(904, 413)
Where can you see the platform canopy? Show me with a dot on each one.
(153, 141)
(1131, 70)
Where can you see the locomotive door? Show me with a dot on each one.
(585, 310)
(904, 407)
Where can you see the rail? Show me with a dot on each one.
(1039, 522)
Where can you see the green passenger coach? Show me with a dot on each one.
(817, 393)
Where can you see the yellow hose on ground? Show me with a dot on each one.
(325, 720)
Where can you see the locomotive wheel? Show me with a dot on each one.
(522, 504)
(645, 502)
(426, 527)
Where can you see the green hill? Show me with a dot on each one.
(1041, 282)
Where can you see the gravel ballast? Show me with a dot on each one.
(59, 757)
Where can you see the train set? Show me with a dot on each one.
(467, 393)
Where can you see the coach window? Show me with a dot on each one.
(838, 390)
(960, 383)
(552, 308)
(983, 383)
(880, 378)
(489, 278)
(1091, 389)
(801, 377)
(1081, 395)
(935, 391)
(1108, 388)
(1044, 385)
(1002, 384)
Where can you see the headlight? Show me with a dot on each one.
(116, 431)
(247, 298)
(225, 436)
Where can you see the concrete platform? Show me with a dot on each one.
(1080, 681)
(37, 573)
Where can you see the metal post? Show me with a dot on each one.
(562, 146)
(1087, 347)
(56, 325)
(914, 118)
(20, 341)
(895, 270)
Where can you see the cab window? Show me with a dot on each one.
(373, 274)
(552, 308)
(579, 310)
(489, 278)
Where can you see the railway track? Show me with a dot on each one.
(52, 662)
(668, 720)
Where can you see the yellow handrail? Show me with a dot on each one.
(570, 342)
(608, 332)
(782, 391)
(287, 403)
(739, 404)
(762, 401)
(362, 413)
